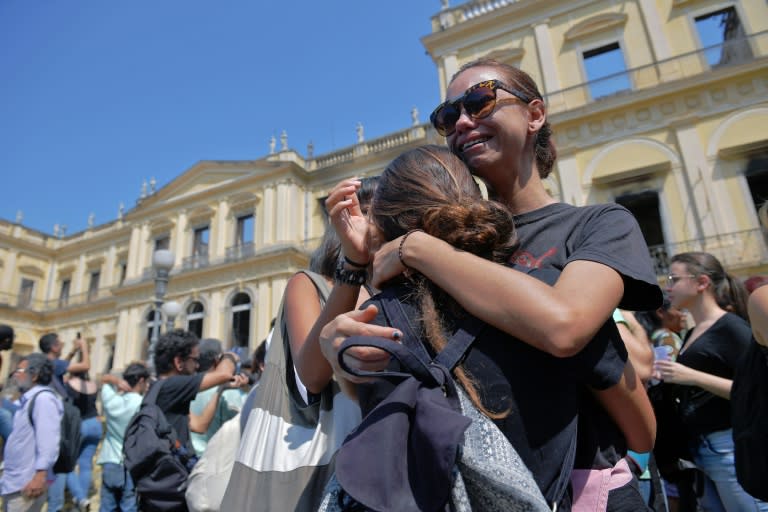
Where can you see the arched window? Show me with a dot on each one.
(195, 315)
(241, 319)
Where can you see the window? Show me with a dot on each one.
(645, 207)
(163, 242)
(123, 272)
(66, 284)
(195, 315)
(722, 37)
(93, 287)
(200, 242)
(757, 179)
(241, 320)
(244, 230)
(25, 292)
(606, 71)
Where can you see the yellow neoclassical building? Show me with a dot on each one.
(660, 105)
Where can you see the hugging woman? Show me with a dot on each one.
(532, 396)
(495, 121)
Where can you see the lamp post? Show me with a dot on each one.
(171, 310)
(162, 262)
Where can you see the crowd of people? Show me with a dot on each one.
(532, 328)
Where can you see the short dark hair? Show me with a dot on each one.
(39, 365)
(47, 341)
(6, 337)
(259, 357)
(177, 342)
(135, 372)
(210, 350)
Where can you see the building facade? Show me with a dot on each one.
(659, 105)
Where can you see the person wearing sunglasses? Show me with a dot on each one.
(495, 120)
(704, 371)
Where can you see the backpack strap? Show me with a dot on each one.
(412, 354)
(154, 391)
(32, 403)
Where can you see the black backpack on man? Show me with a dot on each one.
(159, 464)
(69, 443)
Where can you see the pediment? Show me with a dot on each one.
(595, 24)
(199, 179)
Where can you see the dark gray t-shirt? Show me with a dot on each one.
(557, 234)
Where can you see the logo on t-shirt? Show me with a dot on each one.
(528, 260)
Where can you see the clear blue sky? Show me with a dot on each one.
(97, 96)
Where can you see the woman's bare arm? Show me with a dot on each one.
(559, 319)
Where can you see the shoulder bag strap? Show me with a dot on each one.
(323, 289)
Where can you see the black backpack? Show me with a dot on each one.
(159, 464)
(749, 417)
(69, 444)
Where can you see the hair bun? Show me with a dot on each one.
(484, 228)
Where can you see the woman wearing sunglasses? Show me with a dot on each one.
(495, 120)
(704, 372)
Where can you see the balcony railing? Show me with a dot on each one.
(734, 250)
(729, 53)
(194, 262)
(26, 303)
(240, 252)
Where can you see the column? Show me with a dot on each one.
(267, 218)
(659, 44)
(450, 67)
(547, 58)
(570, 182)
(109, 278)
(696, 174)
(223, 227)
(134, 251)
(179, 244)
(8, 271)
(78, 280)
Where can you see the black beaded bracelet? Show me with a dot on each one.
(349, 277)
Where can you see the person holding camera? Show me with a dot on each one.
(212, 407)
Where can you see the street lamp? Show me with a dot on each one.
(171, 310)
(162, 262)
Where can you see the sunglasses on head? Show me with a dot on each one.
(479, 101)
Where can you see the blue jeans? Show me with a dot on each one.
(79, 481)
(117, 490)
(6, 423)
(722, 493)
(56, 493)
